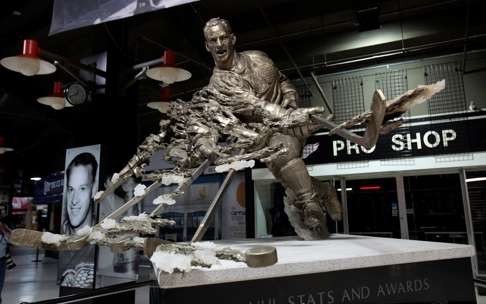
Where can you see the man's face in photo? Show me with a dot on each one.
(79, 191)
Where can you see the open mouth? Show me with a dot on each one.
(220, 52)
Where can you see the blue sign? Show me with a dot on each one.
(49, 190)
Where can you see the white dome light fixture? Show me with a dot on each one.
(168, 73)
(57, 101)
(3, 148)
(163, 104)
(28, 63)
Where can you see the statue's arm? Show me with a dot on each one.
(289, 93)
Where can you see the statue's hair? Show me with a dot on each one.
(217, 21)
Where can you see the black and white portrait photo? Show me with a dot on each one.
(81, 176)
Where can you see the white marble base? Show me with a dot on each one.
(340, 252)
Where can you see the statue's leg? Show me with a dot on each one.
(303, 198)
(328, 196)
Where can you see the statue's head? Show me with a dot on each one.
(220, 42)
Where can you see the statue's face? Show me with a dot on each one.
(220, 43)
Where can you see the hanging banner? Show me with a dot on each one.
(446, 134)
(72, 14)
(461, 132)
(50, 189)
(76, 268)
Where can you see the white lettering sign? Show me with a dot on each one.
(431, 139)
(399, 142)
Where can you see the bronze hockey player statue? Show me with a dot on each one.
(249, 111)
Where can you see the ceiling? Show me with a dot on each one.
(300, 36)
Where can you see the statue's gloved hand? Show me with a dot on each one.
(302, 115)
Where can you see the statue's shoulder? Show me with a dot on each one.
(257, 57)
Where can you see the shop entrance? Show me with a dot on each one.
(424, 207)
(373, 207)
(435, 210)
(448, 207)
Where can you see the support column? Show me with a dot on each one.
(402, 207)
(344, 201)
(262, 202)
(468, 217)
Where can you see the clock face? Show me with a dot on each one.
(75, 94)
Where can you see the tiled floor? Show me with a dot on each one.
(30, 281)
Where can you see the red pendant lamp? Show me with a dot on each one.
(4, 148)
(168, 73)
(28, 63)
(56, 100)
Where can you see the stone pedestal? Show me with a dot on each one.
(342, 269)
